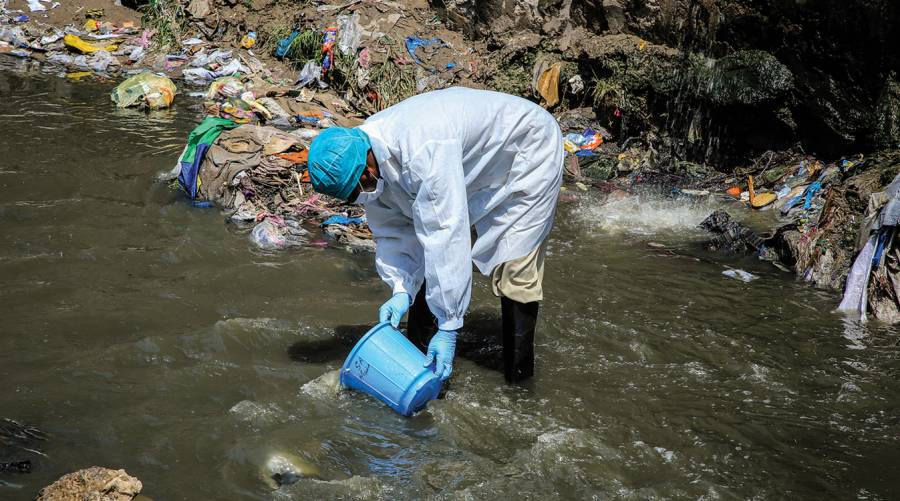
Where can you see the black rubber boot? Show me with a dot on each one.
(421, 324)
(519, 320)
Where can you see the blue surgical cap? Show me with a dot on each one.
(337, 158)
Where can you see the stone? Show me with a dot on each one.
(92, 484)
(887, 115)
(199, 9)
(282, 468)
(615, 15)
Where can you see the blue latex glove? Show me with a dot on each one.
(440, 352)
(394, 309)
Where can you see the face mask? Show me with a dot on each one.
(368, 196)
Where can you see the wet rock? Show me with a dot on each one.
(615, 15)
(748, 78)
(887, 115)
(94, 483)
(282, 469)
(730, 236)
(16, 467)
(17, 442)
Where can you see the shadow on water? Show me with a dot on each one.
(479, 341)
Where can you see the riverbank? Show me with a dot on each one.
(144, 334)
(382, 52)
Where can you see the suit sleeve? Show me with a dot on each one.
(398, 254)
(441, 221)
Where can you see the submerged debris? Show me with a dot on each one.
(730, 236)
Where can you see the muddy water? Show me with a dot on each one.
(145, 334)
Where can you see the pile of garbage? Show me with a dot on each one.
(258, 174)
(832, 224)
(104, 49)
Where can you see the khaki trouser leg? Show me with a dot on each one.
(521, 279)
(519, 285)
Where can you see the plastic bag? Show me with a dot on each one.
(136, 54)
(284, 45)
(155, 91)
(84, 47)
(200, 75)
(249, 40)
(203, 59)
(99, 61)
(226, 86)
(14, 36)
(270, 235)
(741, 275)
(310, 73)
(350, 33)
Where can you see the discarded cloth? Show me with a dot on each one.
(257, 150)
(198, 142)
(296, 157)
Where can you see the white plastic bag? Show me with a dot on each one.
(349, 33)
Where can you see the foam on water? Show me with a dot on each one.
(326, 386)
(648, 215)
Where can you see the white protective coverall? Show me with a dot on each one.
(449, 160)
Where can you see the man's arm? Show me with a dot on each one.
(398, 255)
(441, 220)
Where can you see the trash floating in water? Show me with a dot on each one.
(276, 233)
(741, 275)
(146, 89)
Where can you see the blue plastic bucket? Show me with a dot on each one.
(387, 366)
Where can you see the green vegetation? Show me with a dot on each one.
(393, 83)
(606, 92)
(167, 18)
